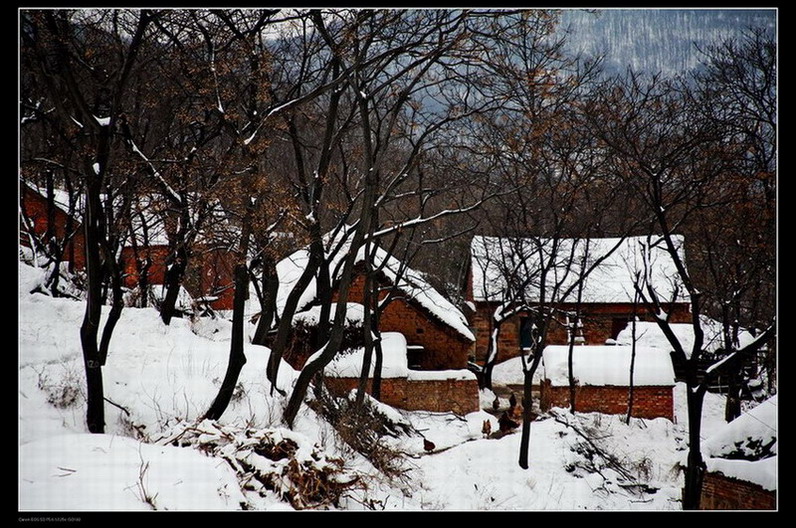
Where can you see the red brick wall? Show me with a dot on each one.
(212, 272)
(648, 402)
(157, 271)
(444, 347)
(725, 493)
(458, 396)
(597, 321)
(34, 207)
(209, 272)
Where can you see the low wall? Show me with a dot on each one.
(725, 493)
(648, 402)
(437, 395)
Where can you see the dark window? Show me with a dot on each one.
(526, 332)
(414, 356)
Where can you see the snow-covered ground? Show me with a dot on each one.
(160, 379)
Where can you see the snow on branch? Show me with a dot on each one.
(172, 193)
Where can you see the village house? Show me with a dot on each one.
(741, 462)
(436, 340)
(209, 276)
(503, 272)
(603, 379)
(38, 218)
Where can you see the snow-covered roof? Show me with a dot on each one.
(411, 283)
(510, 268)
(150, 211)
(60, 198)
(649, 334)
(355, 315)
(746, 448)
(608, 365)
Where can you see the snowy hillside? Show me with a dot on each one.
(156, 454)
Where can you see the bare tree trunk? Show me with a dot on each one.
(376, 389)
(491, 353)
(324, 294)
(143, 279)
(175, 272)
(270, 281)
(695, 470)
(286, 319)
(631, 389)
(367, 327)
(237, 356)
(95, 405)
(116, 308)
(527, 403)
(570, 366)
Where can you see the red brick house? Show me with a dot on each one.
(742, 462)
(437, 341)
(34, 210)
(437, 334)
(602, 375)
(502, 270)
(209, 274)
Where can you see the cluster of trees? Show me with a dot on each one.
(395, 130)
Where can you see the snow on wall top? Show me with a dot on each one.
(761, 472)
(411, 283)
(510, 268)
(438, 375)
(608, 366)
(650, 334)
(746, 448)
(394, 364)
(751, 435)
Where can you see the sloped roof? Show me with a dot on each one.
(510, 268)
(411, 283)
(60, 198)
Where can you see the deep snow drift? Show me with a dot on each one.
(160, 379)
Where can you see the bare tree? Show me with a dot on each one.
(85, 65)
(675, 160)
(396, 65)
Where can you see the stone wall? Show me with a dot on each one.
(439, 395)
(648, 402)
(724, 493)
